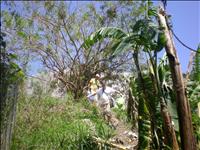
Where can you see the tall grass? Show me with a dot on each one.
(50, 123)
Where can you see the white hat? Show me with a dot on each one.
(97, 75)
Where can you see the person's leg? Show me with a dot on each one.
(95, 101)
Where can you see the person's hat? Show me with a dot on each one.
(97, 75)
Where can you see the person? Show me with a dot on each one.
(103, 99)
(104, 105)
(94, 85)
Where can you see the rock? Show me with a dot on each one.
(131, 135)
(112, 121)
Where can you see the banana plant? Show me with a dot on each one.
(145, 36)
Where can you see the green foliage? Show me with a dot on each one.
(196, 126)
(49, 5)
(145, 33)
(196, 66)
(144, 123)
(193, 90)
(53, 30)
(51, 123)
(10, 71)
(161, 41)
(120, 112)
(106, 32)
(11, 76)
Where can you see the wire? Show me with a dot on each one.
(183, 43)
(164, 2)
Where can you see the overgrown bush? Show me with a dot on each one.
(51, 123)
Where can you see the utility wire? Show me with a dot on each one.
(164, 2)
(178, 39)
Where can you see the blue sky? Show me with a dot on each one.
(186, 25)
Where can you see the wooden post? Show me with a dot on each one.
(183, 108)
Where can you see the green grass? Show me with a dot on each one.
(120, 113)
(51, 123)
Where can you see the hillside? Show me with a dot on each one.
(51, 123)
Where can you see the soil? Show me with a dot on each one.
(125, 136)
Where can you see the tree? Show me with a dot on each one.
(145, 36)
(54, 32)
(183, 107)
(11, 76)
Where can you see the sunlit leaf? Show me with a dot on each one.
(161, 42)
(152, 12)
(126, 44)
(21, 34)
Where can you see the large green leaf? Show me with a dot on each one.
(106, 32)
(161, 41)
(125, 44)
(138, 25)
(173, 112)
(194, 95)
(152, 12)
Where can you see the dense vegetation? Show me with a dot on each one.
(49, 123)
(117, 37)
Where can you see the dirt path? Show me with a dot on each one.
(124, 137)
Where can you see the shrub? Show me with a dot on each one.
(51, 123)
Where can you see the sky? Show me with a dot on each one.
(186, 25)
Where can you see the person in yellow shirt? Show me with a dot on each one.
(94, 85)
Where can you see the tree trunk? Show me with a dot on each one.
(183, 108)
(169, 132)
(9, 112)
(170, 135)
(132, 108)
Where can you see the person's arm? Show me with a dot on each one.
(91, 94)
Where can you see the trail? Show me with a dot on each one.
(125, 137)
